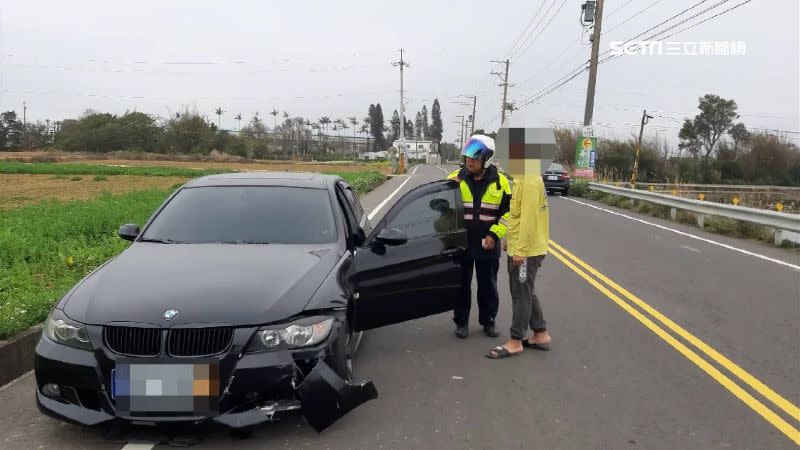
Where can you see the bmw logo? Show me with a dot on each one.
(170, 314)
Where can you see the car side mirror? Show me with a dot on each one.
(129, 231)
(359, 237)
(391, 236)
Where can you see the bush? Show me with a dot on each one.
(578, 188)
(99, 133)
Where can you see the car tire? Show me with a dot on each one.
(566, 192)
(341, 359)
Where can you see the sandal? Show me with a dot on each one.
(542, 347)
(500, 352)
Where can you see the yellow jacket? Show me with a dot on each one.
(529, 218)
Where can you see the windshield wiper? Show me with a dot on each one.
(161, 241)
(245, 242)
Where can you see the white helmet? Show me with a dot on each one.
(479, 146)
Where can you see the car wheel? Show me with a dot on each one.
(341, 359)
(566, 192)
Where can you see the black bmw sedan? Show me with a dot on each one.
(244, 296)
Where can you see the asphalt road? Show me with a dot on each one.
(660, 340)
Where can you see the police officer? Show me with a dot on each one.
(486, 194)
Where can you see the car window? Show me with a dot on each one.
(246, 214)
(555, 168)
(428, 215)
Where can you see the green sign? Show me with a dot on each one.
(585, 156)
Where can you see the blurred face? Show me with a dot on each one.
(474, 166)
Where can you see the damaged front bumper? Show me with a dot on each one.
(254, 388)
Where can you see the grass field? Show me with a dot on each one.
(48, 246)
(13, 167)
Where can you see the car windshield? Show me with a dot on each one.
(245, 215)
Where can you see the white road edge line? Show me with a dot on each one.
(386, 200)
(139, 446)
(443, 170)
(765, 258)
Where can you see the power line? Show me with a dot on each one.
(547, 25)
(707, 19)
(666, 21)
(619, 8)
(567, 78)
(656, 34)
(624, 22)
(509, 52)
(545, 67)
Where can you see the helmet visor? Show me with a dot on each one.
(474, 149)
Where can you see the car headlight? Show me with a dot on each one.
(301, 333)
(64, 331)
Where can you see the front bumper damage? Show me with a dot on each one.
(258, 388)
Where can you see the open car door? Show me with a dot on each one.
(410, 265)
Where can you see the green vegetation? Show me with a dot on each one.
(48, 247)
(13, 167)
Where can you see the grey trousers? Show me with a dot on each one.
(527, 311)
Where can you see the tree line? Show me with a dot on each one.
(189, 132)
(714, 149)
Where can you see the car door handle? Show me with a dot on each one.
(453, 251)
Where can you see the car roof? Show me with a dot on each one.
(266, 178)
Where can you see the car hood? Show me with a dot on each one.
(205, 283)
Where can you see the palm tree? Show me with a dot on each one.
(274, 116)
(219, 112)
(238, 118)
(325, 121)
(354, 122)
(256, 119)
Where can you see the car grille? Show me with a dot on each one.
(199, 341)
(133, 341)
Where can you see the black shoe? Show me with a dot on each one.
(491, 331)
(462, 331)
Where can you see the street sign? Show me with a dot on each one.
(585, 156)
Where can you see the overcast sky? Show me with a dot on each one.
(333, 59)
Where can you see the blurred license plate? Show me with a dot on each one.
(165, 388)
(552, 178)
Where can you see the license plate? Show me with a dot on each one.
(552, 178)
(165, 388)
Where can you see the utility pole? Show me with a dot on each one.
(24, 116)
(638, 148)
(461, 145)
(598, 19)
(505, 90)
(402, 64)
(474, 101)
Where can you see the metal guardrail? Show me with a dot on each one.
(773, 219)
(730, 187)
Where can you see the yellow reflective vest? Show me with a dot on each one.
(489, 215)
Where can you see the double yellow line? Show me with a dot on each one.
(611, 289)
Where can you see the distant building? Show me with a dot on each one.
(419, 149)
(370, 156)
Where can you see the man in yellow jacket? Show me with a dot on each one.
(527, 235)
